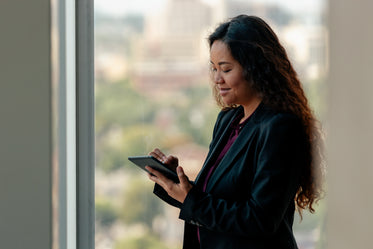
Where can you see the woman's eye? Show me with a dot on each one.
(227, 71)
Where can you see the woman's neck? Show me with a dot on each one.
(250, 108)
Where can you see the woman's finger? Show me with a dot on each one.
(153, 177)
(157, 153)
(184, 181)
(153, 154)
(178, 191)
(172, 161)
(153, 171)
(159, 178)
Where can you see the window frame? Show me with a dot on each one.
(72, 99)
(85, 124)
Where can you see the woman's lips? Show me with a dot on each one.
(224, 91)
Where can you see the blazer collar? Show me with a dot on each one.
(257, 115)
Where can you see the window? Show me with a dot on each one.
(152, 90)
(73, 122)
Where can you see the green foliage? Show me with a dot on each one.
(114, 149)
(110, 158)
(139, 203)
(121, 118)
(139, 139)
(199, 114)
(118, 104)
(106, 214)
(146, 241)
(316, 92)
(311, 221)
(127, 123)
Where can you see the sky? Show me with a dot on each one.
(120, 7)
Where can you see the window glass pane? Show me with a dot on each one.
(153, 90)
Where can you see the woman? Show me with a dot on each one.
(264, 158)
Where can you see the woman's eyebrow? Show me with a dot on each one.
(221, 63)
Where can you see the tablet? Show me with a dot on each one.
(142, 161)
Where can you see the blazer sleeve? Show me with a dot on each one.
(163, 195)
(280, 155)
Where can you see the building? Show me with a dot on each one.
(167, 57)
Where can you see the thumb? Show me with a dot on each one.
(184, 181)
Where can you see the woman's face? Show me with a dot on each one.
(227, 74)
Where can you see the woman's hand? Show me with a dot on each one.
(170, 160)
(178, 191)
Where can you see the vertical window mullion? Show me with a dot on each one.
(71, 123)
(85, 123)
(64, 123)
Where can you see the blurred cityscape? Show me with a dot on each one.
(153, 90)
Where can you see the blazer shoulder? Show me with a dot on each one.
(266, 116)
(280, 124)
(274, 118)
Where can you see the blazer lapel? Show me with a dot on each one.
(247, 133)
(222, 133)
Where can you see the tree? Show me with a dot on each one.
(139, 203)
(106, 214)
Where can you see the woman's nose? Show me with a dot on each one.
(217, 78)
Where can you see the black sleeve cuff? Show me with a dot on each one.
(162, 194)
(187, 209)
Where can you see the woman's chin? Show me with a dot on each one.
(227, 101)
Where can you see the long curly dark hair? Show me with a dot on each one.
(267, 69)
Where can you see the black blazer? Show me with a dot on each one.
(249, 200)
